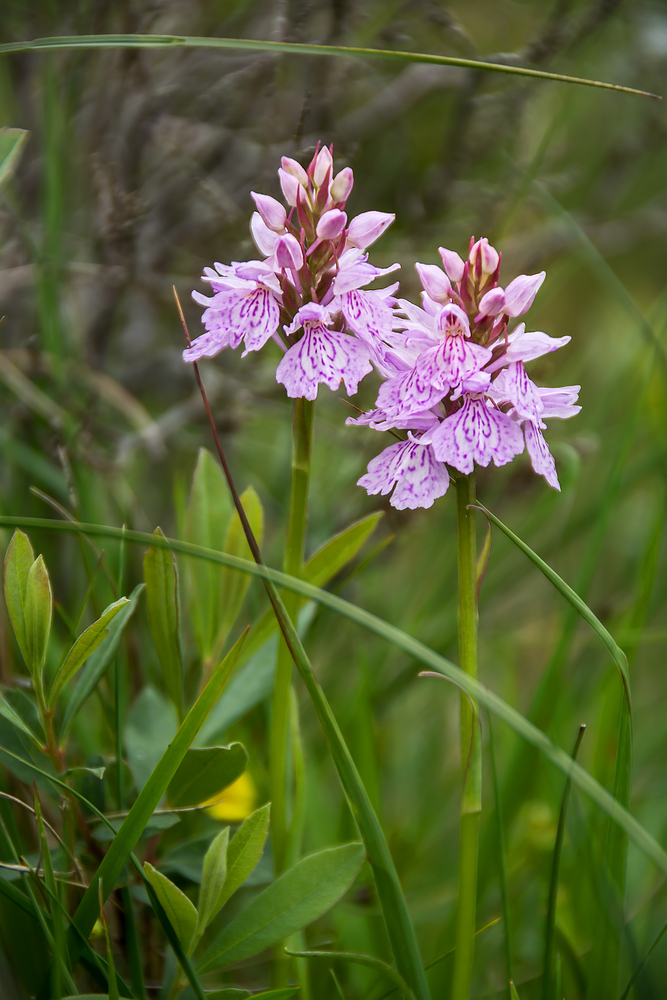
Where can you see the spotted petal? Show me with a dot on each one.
(323, 356)
(514, 386)
(409, 392)
(366, 314)
(478, 432)
(412, 468)
(540, 456)
(453, 360)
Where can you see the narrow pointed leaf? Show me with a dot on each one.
(245, 850)
(356, 958)
(18, 560)
(214, 873)
(9, 712)
(12, 141)
(85, 645)
(335, 554)
(206, 523)
(99, 662)
(38, 611)
(180, 910)
(148, 799)
(204, 772)
(513, 993)
(293, 901)
(164, 616)
(234, 586)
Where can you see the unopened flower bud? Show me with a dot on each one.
(492, 302)
(322, 164)
(342, 185)
(290, 187)
(294, 169)
(434, 282)
(272, 212)
(452, 264)
(488, 257)
(367, 228)
(520, 293)
(331, 224)
(265, 238)
(289, 253)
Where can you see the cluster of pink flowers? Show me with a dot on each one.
(454, 375)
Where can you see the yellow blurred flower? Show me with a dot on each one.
(236, 802)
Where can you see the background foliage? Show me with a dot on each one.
(136, 174)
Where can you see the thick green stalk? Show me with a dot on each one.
(471, 750)
(302, 429)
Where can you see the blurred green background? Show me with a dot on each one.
(138, 172)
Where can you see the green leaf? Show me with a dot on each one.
(12, 141)
(234, 586)
(84, 646)
(100, 660)
(71, 772)
(10, 713)
(206, 523)
(180, 910)
(357, 958)
(335, 554)
(146, 802)
(513, 993)
(226, 994)
(18, 560)
(137, 41)
(204, 772)
(38, 611)
(164, 616)
(150, 727)
(214, 873)
(245, 850)
(283, 994)
(293, 901)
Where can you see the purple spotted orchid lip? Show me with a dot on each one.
(309, 293)
(454, 378)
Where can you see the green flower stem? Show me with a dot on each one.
(302, 430)
(471, 749)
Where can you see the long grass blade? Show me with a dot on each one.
(413, 648)
(138, 41)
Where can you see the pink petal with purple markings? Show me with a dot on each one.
(540, 456)
(478, 432)
(453, 360)
(520, 293)
(409, 392)
(560, 402)
(514, 386)
(412, 468)
(323, 356)
(366, 313)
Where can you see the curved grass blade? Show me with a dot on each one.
(359, 959)
(297, 48)
(547, 991)
(502, 866)
(413, 648)
(582, 609)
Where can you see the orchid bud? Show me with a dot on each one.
(290, 187)
(488, 257)
(452, 264)
(520, 293)
(322, 164)
(434, 282)
(342, 185)
(331, 224)
(289, 253)
(272, 212)
(492, 302)
(367, 228)
(294, 169)
(265, 238)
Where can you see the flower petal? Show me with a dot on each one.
(514, 386)
(540, 456)
(323, 356)
(410, 392)
(412, 468)
(520, 293)
(478, 432)
(453, 360)
(367, 315)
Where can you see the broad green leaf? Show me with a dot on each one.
(145, 804)
(86, 644)
(10, 713)
(12, 141)
(150, 727)
(204, 772)
(245, 850)
(335, 554)
(235, 585)
(18, 560)
(214, 873)
(293, 901)
(164, 616)
(206, 523)
(100, 660)
(38, 611)
(180, 910)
